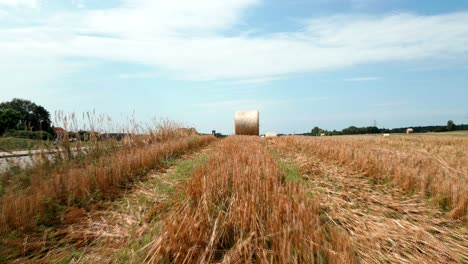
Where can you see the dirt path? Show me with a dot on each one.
(385, 225)
(117, 231)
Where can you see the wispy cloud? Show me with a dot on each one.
(363, 79)
(186, 40)
(257, 103)
(20, 3)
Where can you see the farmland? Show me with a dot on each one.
(197, 199)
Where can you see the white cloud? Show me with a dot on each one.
(149, 19)
(20, 3)
(187, 40)
(363, 79)
(260, 104)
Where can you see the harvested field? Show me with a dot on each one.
(351, 199)
(435, 167)
(240, 208)
(385, 222)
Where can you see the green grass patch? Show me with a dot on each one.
(73, 255)
(185, 168)
(292, 172)
(132, 252)
(9, 144)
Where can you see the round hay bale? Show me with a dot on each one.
(247, 123)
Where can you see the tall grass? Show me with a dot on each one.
(435, 167)
(25, 209)
(240, 208)
(81, 175)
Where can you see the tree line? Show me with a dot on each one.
(23, 118)
(353, 130)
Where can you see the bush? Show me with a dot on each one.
(41, 135)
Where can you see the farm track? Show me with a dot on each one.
(115, 231)
(383, 223)
(242, 206)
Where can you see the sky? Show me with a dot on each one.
(301, 63)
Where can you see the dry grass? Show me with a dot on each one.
(240, 208)
(434, 167)
(165, 130)
(115, 231)
(80, 185)
(384, 224)
(284, 200)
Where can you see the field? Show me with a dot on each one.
(456, 133)
(197, 199)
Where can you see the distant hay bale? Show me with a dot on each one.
(271, 134)
(247, 123)
(386, 135)
(322, 134)
(409, 131)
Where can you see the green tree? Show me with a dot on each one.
(451, 125)
(350, 130)
(9, 119)
(316, 131)
(31, 116)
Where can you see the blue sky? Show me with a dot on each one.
(327, 63)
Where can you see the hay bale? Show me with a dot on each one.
(271, 134)
(409, 131)
(386, 135)
(247, 123)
